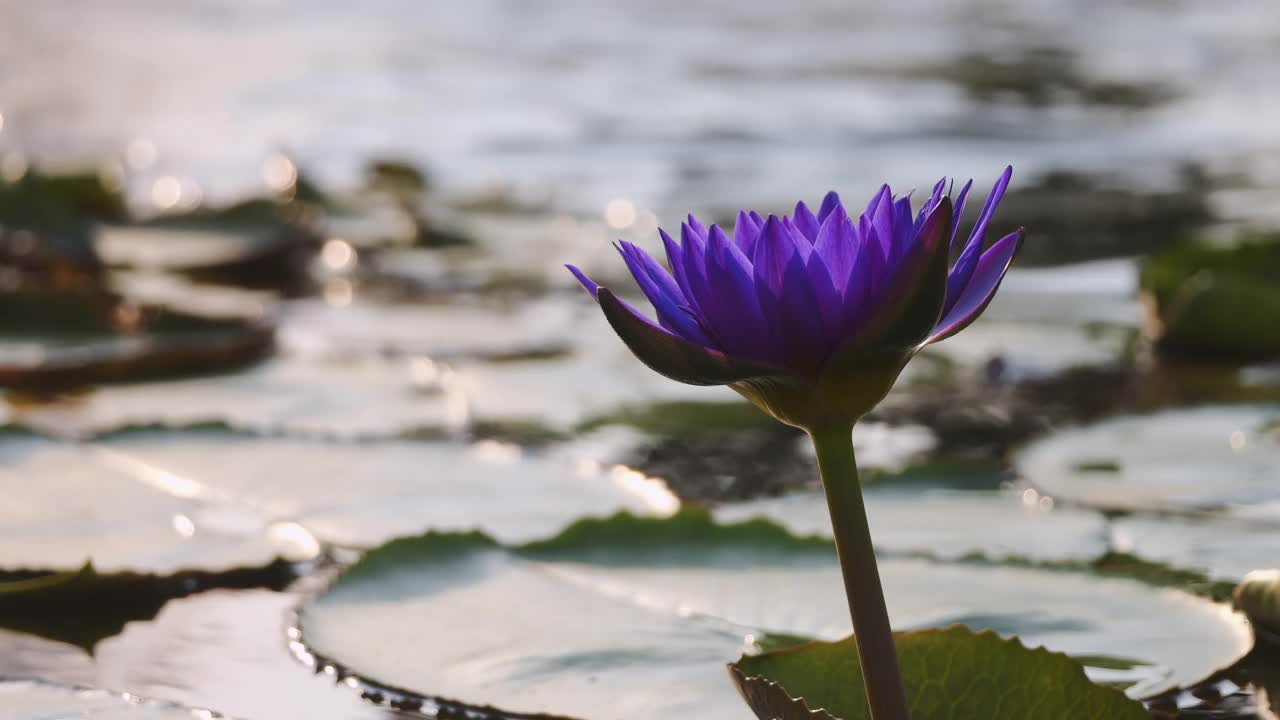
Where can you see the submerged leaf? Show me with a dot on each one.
(950, 674)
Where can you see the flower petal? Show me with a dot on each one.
(732, 310)
(675, 258)
(939, 189)
(830, 304)
(668, 301)
(745, 232)
(773, 252)
(696, 226)
(958, 280)
(829, 203)
(838, 246)
(587, 282)
(981, 288)
(909, 306)
(693, 251)
(806, 222)
(673, 356)
(958, 213)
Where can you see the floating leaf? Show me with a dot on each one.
(946, 523)
(221, 648)
(1208, 458)
(633, 617)
(84, 607)
(68, 503)
(951, 674)
(36, 700)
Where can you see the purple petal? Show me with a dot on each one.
(989, 207)
(838, 246)
(958, 280)
(668, 301)
(745, 232)
(732, 310)
(882, 193)
(697, 227)
(903, 225)
(774, 250)
(675, 258)
(829, 203)
(694, 261)
(959, 213)
(829, 300)
(803, 245)
(981, 288)
(938, 189)
(673, 356)
(882, 221)
(907, 306)
(798, 321)
(587, 283)
(806, 222)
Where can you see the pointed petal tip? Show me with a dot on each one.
(590, 285)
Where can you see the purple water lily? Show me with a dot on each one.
(812, 318)
(790, 296)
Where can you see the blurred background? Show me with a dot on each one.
(280, 277)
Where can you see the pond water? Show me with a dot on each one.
(1045, 474)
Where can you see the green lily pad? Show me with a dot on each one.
(445, 331)
(53, 605)
(219, 649)
(24, 699)
(1207, 300)
(631, 617)
(947, 524)
(1221, 548)
(149, 501)
(72, 339)
(950, 674)
(354, 397)
(67, 504)
(1209, 458)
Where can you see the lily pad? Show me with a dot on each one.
(347, 398)
(441, 332)
(631, 618)
(1209, 458)
(950, 674)
(67, 340)
(947, 524)
(53, 605)
(1216, 302)
(67, 504)
(222, 648)
(24, 699)
(1222, 548)
(369, 492)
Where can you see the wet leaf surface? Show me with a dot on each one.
(1202, 459)
(25, 699)
(84, 607)
(225, 648)
(629, 617)
(950, 674)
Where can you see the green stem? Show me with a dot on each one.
(883, 681)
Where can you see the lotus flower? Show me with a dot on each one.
(812, 316)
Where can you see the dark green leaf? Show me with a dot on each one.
(951, 674)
